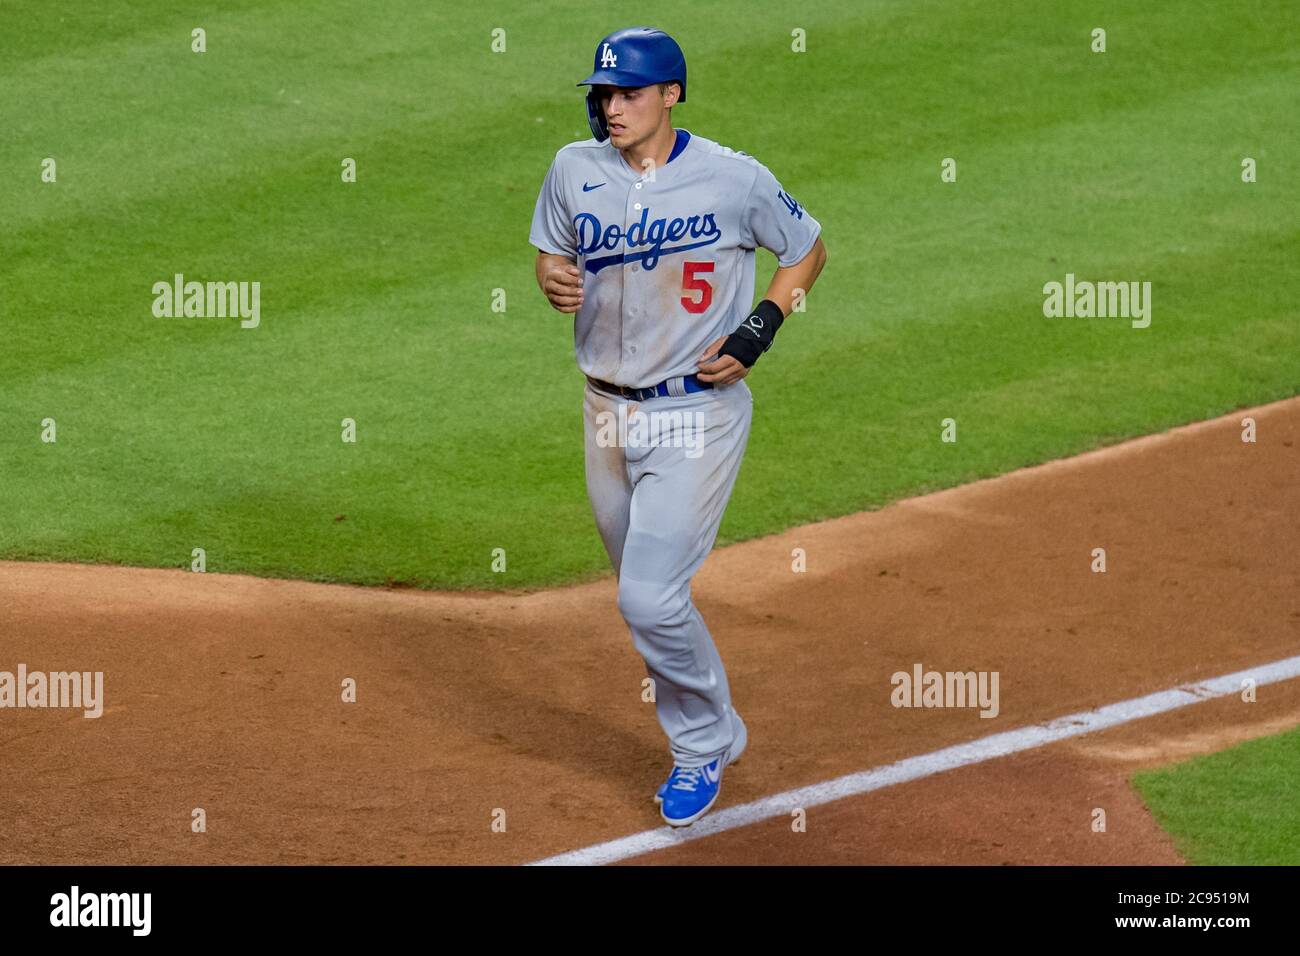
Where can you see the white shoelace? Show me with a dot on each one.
(688, 778)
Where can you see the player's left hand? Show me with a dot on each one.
(725, 370)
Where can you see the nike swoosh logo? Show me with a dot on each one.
(711, 775)
(587, 189)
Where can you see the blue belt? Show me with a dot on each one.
(690, 383)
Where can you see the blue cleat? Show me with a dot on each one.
(690, 792)
(733, 757)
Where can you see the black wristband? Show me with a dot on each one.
(754, 336)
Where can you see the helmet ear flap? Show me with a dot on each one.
(596, 117)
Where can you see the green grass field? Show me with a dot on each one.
(376, 296)
(1233, 808)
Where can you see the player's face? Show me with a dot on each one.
(634, 114)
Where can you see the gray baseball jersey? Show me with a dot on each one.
(667, 256)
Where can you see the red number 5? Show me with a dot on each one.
(689, 281)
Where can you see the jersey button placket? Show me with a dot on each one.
(632, 320)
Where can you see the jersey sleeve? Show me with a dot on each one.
(772, 219)
(552, 225)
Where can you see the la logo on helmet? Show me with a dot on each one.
(607, 58)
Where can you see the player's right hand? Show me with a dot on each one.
(562, 285)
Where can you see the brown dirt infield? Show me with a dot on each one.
(223, 692)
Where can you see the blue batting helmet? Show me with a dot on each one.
(637, 56)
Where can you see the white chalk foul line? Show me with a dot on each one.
(925, 765)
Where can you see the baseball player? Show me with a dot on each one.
(647, 235)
